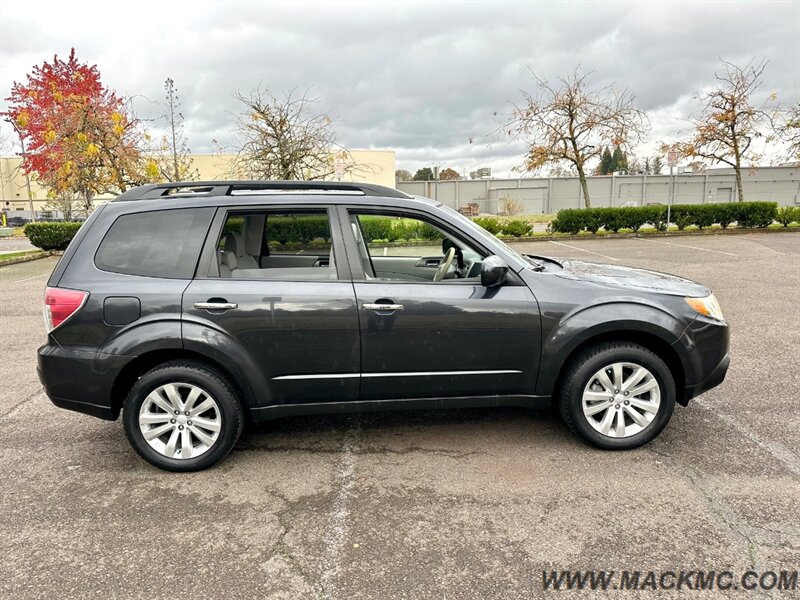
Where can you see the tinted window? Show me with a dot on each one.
(276, 245)
(164, 243)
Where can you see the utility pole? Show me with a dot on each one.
(673, 156)
(669, 198)
(27, 177)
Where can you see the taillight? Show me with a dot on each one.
(60, 305)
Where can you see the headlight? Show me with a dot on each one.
(707, 306)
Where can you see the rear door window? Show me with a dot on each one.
(291, 245)
(163, 243)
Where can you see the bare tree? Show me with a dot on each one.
(402, 175)
(284, 138)
(68, 204)
(175, 160)
(656, 164)
(562, 171)
(789, 130)
(570, 123)
(728, 124)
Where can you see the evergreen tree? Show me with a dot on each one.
(619, 160)
(605, 162)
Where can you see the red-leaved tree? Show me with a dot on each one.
(80, 138)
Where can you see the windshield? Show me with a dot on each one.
(519, 261)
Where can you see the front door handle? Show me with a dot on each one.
(382, 307)
(215, 305)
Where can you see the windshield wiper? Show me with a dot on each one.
(536, 261)
(537, 266)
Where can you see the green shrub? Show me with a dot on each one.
(633, 217)
(705, 215)
(570, 220)
(404, 229)
(490, 224)
(297, 228)
(51, 236)
(426, 232)
(517, 227)
(756, 214)
(411, 229)
(725, 214)
(612, 219)
(788, 214)
(682, 215)
(376, 228)
(656, 215)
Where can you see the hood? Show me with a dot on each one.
(630, 278)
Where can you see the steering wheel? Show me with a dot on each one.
(444, 266)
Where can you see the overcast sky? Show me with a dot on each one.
(420, 78)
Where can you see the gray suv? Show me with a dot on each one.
(195, 307)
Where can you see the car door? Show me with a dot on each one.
(298, 324)
(451, 338)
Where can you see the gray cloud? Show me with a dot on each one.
(419, 78)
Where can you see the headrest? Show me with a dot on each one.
(232, 243)
(253, 232)
(229, 259)
(356, 232)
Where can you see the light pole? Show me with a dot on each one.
(27, 177)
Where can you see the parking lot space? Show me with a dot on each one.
(450, 504)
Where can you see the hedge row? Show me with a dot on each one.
(745, 214)
(388, 229)
(51, 236)
(513, 227)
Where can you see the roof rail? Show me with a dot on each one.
(232, 188)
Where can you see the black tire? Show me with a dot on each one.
(200, 375)
(590, 361)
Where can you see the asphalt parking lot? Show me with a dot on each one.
(457, 504)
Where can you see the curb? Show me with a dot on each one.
(24, 259)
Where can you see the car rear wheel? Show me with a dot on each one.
(617, 395)
(182, 416)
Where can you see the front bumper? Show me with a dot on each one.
(79, 380)
(714, 378)
(704, 352)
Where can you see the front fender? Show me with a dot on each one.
(621, 315)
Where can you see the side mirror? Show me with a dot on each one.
(493, 271)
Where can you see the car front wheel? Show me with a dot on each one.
(617, 395)
(182, 416)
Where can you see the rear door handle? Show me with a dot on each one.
(215, 305)
(382, 307)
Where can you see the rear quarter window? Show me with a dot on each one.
(162, 243)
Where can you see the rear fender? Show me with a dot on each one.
(231, 355)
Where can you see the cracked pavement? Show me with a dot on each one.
(448, 504)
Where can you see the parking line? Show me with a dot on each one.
(584, 250)
(31, 278)
(685, 246)
(337, 528)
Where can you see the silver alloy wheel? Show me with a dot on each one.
(180, 420)
(621, 399)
